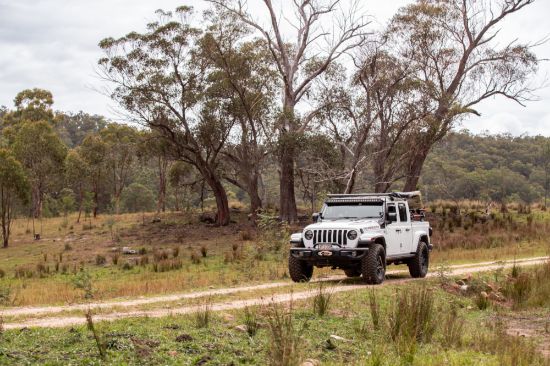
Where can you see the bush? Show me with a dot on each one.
(195, 259)
(100, 260)
(374, 309)
(5, 295)
(284, 340)
(115, 257)
(2, 273)
(452, 325)
(482, 301)
(143, 260)
(204, 251)
(202, 316)
(83, 281)
(251, 321)
(321, 301)
(166, 265)
(412, 317)
(137, 198)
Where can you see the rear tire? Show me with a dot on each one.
(352, 272)
(418, 266)
(373, 265)
(300, 271)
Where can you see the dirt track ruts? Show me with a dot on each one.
(65, 321)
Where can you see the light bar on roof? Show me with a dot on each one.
(357, 199)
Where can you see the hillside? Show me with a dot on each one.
(496, 167)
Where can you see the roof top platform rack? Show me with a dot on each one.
(404, 195)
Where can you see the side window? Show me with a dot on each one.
(402, 212)
(391, 215)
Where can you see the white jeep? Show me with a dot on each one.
(361, 234)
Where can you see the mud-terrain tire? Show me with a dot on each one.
(300, 271)
(418, 266)
(373, 265)
(352, 272)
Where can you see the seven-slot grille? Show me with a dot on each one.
(331, 236)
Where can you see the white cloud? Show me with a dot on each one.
(52, 44)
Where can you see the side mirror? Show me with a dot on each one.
(315, 216)
(391, 216)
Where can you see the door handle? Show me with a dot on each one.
(407, 229)
(397, 230)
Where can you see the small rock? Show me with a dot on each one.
(242, 328)
(311, 362)
(464, 288)
(484, 294)
(338, 338)
(469, 307)
(128, 250)
(460, 283)
(156, 220)
(468, 278)
(173, 353)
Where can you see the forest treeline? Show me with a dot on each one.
(231, 102)
(499, 168)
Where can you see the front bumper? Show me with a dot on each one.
(332, 257)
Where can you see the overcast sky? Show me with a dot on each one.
(52, 44)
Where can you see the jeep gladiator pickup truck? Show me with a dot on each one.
(361, 234)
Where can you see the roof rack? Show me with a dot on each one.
(391, 194)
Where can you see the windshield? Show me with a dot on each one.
(334, 211)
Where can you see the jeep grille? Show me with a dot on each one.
(331, 236)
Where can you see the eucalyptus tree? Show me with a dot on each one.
(94, 153)
(243, 78)
(121, 142)
(460, 60)
(160, 82)
(369, 117)
(42, 153)
(154, 147)
(31, 105)
(13, 186)
(77, 174)
(299, 59)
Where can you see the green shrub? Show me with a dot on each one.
(251, 321)
(100, 260)
(412, 316)
(284, 340)
(321, 300)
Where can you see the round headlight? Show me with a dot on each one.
(308, 235)
(352, 235)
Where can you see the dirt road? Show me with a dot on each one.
(66, 321)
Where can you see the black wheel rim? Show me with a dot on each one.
(380, 267)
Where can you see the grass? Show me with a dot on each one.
(322, 299)
(289, 334)
(179, 254)
(529, 289)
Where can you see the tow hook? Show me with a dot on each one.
(325, 253)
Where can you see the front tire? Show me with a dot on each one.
(300, 271)
(418, 266)
(373, 265)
